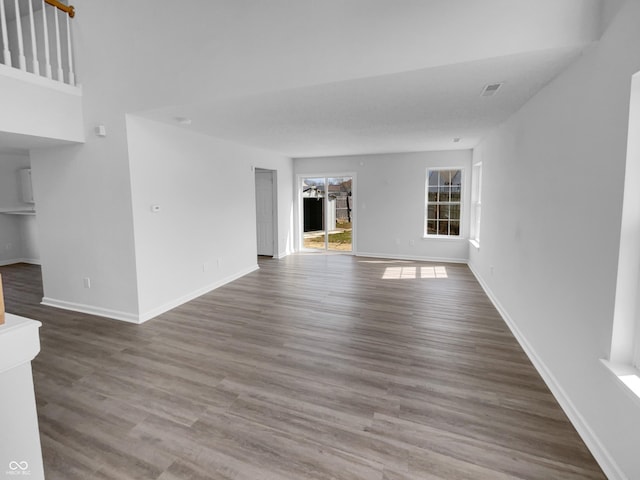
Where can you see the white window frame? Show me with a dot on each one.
(461, 204)
(476, 204)
(624, 356)
(636, 356)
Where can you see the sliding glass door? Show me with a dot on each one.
(327, 213)
(313, 216)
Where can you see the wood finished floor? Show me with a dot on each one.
(313, 367)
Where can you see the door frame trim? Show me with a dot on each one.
(274, 209)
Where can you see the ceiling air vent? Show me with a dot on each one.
(491, 89)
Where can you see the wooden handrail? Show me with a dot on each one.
(61, 6)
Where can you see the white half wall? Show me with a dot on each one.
(203, 233)
(553, 179)
(37, 107)
(390, 202)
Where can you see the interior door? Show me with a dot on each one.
(264, 213)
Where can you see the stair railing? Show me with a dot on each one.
(41, 19)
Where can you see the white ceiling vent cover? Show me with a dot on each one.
(491, 89)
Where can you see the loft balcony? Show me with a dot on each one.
(41, 100)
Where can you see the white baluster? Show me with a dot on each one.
(58, 54)
(6, 54)
(72, 77)
(22, 61)
(34, 49)
(47, 56)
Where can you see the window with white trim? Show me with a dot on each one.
(624, 357)
(443, 205)
(636, 349)
(476, 202)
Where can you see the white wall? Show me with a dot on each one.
(390, 200)
(29, 243)
(205, 232)
(18, 234)
(551, 208)
(10, 250)
(10, 193)
(83, 197)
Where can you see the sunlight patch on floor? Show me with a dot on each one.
(384, 261)
(404, 273)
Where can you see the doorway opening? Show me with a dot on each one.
(266, 212)
(327, 208)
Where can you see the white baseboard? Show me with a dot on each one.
(9, 262)
(133, 318)
(190, 296)
(392, 256)
(593, 443)
(33, 261)
(90, 309)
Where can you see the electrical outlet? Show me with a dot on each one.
(87, 282)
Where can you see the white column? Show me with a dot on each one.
(34, 46)
(6, 55)
(22, 61)
(47, 56)
(58, 53)
(72, 78)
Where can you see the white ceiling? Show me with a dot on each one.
(520, 42)
(335, 77)
(410, 111)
